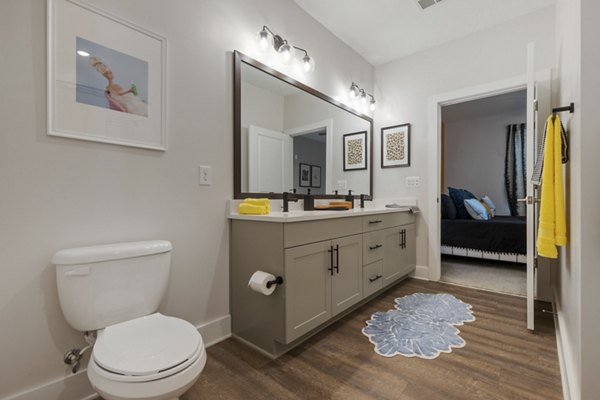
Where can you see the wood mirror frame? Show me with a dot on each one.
(238, 59)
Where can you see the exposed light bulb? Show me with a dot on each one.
(363, 96)
(83, 53)
(372, 105)
(286, 53)
(264, 40)
(308, 64)
(353, 90)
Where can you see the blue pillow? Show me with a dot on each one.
(459, 196)
(476, 209)
(448, 207)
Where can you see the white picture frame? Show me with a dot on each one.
(132, 115)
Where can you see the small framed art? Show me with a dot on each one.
(304, 175)
(395, 146)
(315, 176)
(355, 151)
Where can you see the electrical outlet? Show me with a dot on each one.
(342, 185)
(205, 178)
(413, 181)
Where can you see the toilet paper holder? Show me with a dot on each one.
(276, 281)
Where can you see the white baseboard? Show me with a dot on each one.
(565, 358)
(215, 331)
(77, 386)
(421, 272)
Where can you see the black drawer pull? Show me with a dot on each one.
(375, 247)
(374, 279)
(377, 221)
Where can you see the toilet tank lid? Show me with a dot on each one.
(107, 252)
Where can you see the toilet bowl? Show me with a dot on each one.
(153, 357)
(115, 290)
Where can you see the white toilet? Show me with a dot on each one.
(115, 290)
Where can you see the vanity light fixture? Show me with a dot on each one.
(267, 38)
(356, 92)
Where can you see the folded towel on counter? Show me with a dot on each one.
(252, 209)
(259, 202)
(340, 203)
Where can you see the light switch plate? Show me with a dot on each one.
(342, 185)
(413, 181)
(205, 175)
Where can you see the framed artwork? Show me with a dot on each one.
(106, 78)
(395, 146)
(304, 175)
(315, 176)
(355, 151)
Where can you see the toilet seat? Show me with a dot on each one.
(146, 348)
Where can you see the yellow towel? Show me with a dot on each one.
(552, 230)
(245, 208)
(259, 202)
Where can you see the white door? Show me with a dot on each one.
(269, 163)
(530, 199)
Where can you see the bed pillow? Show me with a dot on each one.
(476, 209)
(458, 197)
(490, 204)
(448, 207)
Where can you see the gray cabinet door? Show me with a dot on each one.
(392, 257)
(408, 251)
(307, 284)
(346, 282)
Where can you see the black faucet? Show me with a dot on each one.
(287, 197)
(350, 198)
(363, 198)
(309, 201)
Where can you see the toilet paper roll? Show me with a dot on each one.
(258, 282)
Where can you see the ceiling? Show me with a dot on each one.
(513, 102)
(385, 30)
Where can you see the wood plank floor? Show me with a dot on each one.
(502, 359)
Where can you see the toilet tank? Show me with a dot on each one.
(100, 286)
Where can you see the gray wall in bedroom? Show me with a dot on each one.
(475, 152)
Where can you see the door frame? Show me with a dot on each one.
(434, 136)
(328, 126)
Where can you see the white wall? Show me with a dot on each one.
(578, 63)
(590, 213)
(260, 108)
(403, 88)
(58, 193)
(475, 151)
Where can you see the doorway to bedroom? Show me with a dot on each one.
(483, 177)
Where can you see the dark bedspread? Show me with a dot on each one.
(501, 234)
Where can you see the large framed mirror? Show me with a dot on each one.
(288, 135)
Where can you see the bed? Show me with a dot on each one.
(501, 238)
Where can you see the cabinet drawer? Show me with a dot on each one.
(372, 278)
(382, 221)
(373, 246)
(299, 233)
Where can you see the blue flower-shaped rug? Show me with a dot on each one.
(421, 325)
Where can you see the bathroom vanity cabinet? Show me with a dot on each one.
(329, 267)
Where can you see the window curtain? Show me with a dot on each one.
(514, 168)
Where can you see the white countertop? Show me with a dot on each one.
(298, 215)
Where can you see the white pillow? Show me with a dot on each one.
(488, 202)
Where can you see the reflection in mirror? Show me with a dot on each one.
(293, 139)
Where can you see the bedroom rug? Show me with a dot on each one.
(497, 276)
(421, 325)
